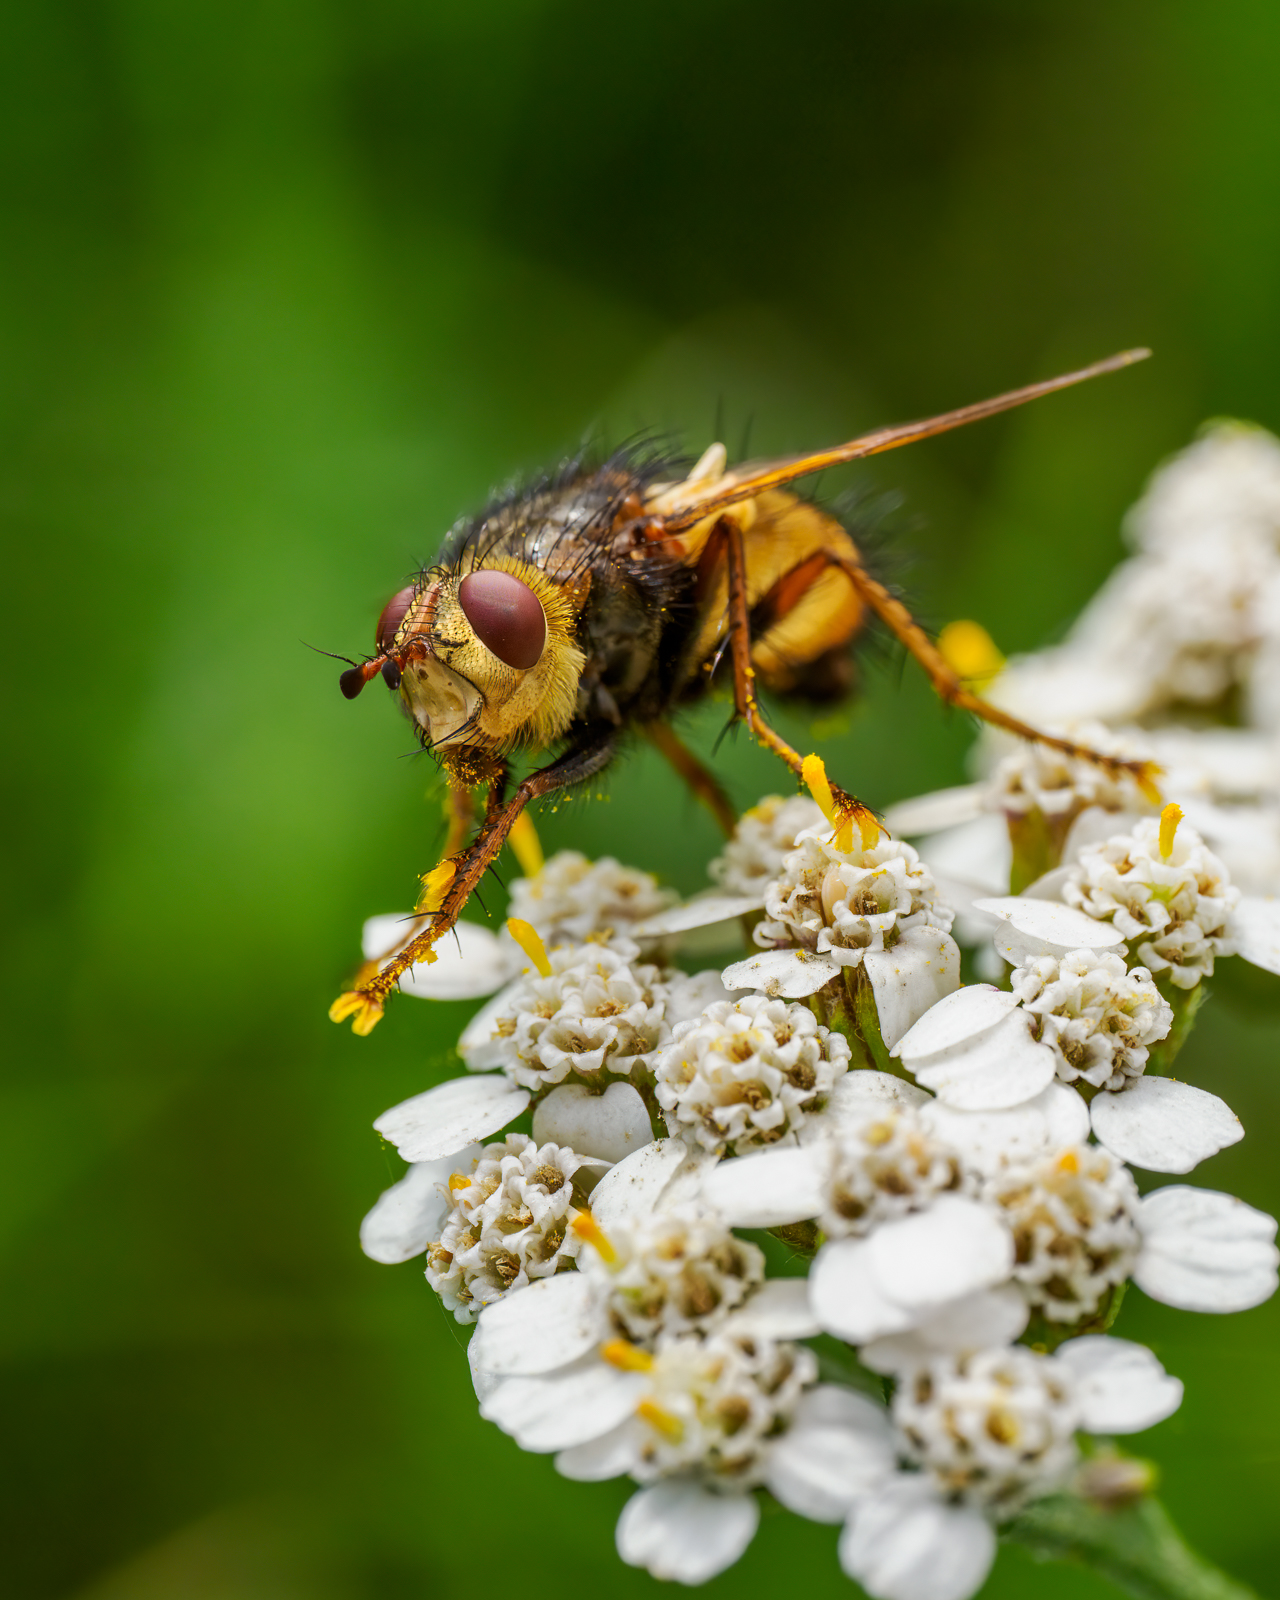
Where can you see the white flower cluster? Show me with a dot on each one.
(765, 836)
(970, 1216)
(573, 898)
(748, 1073)
(1037, 777)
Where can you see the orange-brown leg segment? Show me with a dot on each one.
(950, 687)
(701, 780)
(744, 684)
(459, 876)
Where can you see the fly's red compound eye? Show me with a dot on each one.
(393, 614)
(507, 616)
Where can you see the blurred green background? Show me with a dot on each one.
(286, 287)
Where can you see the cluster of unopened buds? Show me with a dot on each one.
(949, 1161)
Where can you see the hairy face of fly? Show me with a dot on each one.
(485, 659)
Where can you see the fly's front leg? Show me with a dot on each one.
(744, 687)
(949, 685)
(460, 816)
(455, 879)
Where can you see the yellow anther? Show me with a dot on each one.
(365, 1012)
(814, 773)
(629, 1357)
(435, 885)
(970, 652)
(661, 1421)
(590, 1232)
(1068, 1161)
(869, 830)
(1170, 817)
(459, 1180)
(526, 936)
(526, 846)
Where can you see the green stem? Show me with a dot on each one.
(1186, 1003)
(1137, 1547)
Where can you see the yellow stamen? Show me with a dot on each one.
(629, 1357)
(435, 885)
(869, 830)
(969, 650)
(590, 1231)
(459, 1180)
(526, 936)
(1068, 1161)
(662, 1421)
(814, 773)
(1170, 817)
(367, 1013)
(525, 845)
(1146, 778)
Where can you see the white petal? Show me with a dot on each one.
(635, 1185)
(545, 1325)
(1120, 1386)
(700, 912)
(957, 1019)
(791, 974)
(830, 1405)
(408, 1216)
(819, 1472)
(609, 1456)
(922, 968)
(845, 1297)
(972, 857)
(566, 1407)
(453, 1114)
(612, 1125)
(1055, 1118)
(1163, 1125)
(1255, 927)
(943, 808)
(1042, 927)
(678, 1530)
(470, 962)
(865, 1093)
(767, 1190)
(952, 1249)
(905, 1543)
(980, 1321)
(1205, 1251)
(484, 1383)
(779, 1309)
(1002, 1067)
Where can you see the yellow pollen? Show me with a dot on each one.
(459, 1180)
(364, 1012)
(525, 845)
(970, 652)
(1068, 1161)
(1170, 817)
(435, 885)
(526, 936)
(629, 1357)
(661, 1421)
(589, 1230)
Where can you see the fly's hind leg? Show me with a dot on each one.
(456, 878)
(951, 687)
(846, 808)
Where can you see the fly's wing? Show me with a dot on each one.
(705, 498)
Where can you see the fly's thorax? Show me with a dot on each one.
(488, 656)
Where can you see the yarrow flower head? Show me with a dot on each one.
(1099, 1017)
(673, 1271)
(1075, 1223)
(600, 1010)
(508, 1224)
(846, 902)
(1164, 891)
(883, 1169)
(764, 837)
(993, 1429)
(715, 1404)
(572, 898)
(747, 1073)
(1036, 777)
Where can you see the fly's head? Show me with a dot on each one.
(483, 659)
